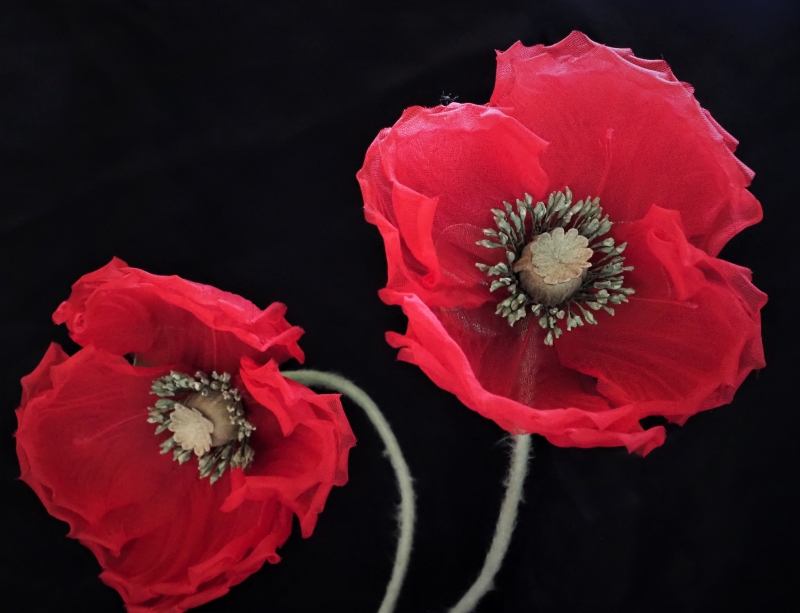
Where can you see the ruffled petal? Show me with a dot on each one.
(429, 184)
(156, 528)
(508, 375)
(627, 130)
(40, 381)
(208, 551)
(166, 320)
(688, 337)
(302, 441)
(90, 449)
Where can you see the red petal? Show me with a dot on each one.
(509, 376)
(429, 183)
(167, 320)
(688, 338)
(626, 130)
(302, 441)
(89, 446)
(39, 381)
(156, 528)
(207, 551)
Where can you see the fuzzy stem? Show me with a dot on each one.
(517, 470)
(407, 515)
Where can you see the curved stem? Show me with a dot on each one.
(517, 470)
(407, 515)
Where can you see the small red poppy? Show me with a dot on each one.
(454, 190)
(168, 538)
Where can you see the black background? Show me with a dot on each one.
(218, 140)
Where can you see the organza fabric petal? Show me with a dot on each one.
(429, 184)
(688, 338)
(165, 320)
(684, 343)
(303, 439)
(568, 410)
(627, 130)
(87, 450)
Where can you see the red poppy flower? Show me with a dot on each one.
(167, 537)
(510, 301)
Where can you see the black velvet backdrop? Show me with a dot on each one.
(218, 140)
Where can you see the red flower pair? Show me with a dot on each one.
(167, 538)
(454, 190)
(181, 470)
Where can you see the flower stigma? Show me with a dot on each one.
(206, 418)
(553, 265)
(191, 430)
(556, 262)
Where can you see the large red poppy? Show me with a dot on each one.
(168, 540)
(605, 124)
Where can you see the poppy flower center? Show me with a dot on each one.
(206, 418)
(556, 262)
(191, 429)
(553, 265)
